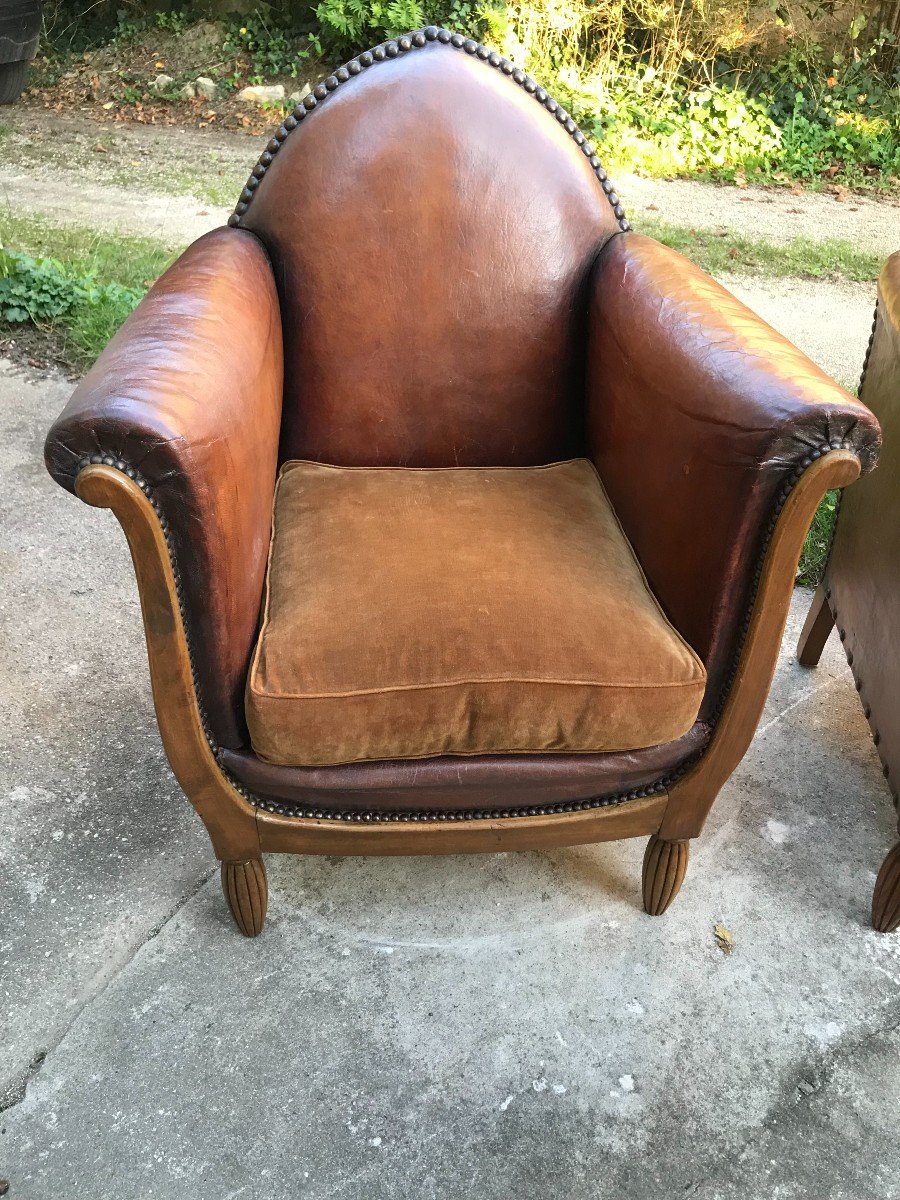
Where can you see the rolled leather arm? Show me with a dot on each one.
(187, 396)
(700, 419)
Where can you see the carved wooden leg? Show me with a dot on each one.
(816, 628)
(665, 864)
(247, 892)
(886, 897)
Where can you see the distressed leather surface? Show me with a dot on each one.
(188, 393)
(454, 782)
(863, 570)
(698, 414)
(432, 228)
(433, 232)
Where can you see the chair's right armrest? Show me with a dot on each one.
(701, 420)
(186, 398)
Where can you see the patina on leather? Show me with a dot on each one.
(432, 228)
(454, 783)
(188, 393)
(445, 288)
(862, 576)
(699, 415)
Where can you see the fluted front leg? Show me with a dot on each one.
(665, 864)
(247, 892)
(886, 897)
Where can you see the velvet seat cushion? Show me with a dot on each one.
(413, 612)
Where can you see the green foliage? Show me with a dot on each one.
(667, 89)
(131, 27)
(659, 128)
(352, 22)
(838, 111)
(72, 297)
(36, 289)
(818, 542)
(348, 26)
(271, 50)
(42, 290)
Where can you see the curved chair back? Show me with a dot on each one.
(432, 217)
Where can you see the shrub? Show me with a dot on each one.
(353, 22)
(41, 291)
(784, 89)
(36, 289)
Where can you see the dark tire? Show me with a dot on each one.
(12, 80)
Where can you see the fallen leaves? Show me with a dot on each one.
(724, 937)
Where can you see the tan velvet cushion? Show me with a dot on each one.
(411, 612)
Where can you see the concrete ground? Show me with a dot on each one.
(485, 1026)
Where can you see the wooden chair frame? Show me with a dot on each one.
(241, 832)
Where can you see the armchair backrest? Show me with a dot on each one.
(432, 217)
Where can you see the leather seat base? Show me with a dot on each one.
(453, 783)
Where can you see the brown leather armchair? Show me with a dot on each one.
(430, 321)
(859, 591)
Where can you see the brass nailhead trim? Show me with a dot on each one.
(780, 501)
(869, 345)
(413, 41)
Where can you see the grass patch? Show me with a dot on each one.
(222, 192)
(84, 283)
(818, 542)
(725, 252)
(110, 257)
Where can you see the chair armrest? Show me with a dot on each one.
(186, 398)
(701, 418)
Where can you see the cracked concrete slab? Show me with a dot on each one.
(512, 1024)
(97, 845)
(830, 1138)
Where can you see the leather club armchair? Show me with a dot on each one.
(430, 323)
(859, 591)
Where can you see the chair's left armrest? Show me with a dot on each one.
(186, 398)
(701, 418)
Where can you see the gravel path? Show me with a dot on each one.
(130, 176)
(125, 178)
(66, 198)
(776, 215)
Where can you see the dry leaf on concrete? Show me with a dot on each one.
(724, 939)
